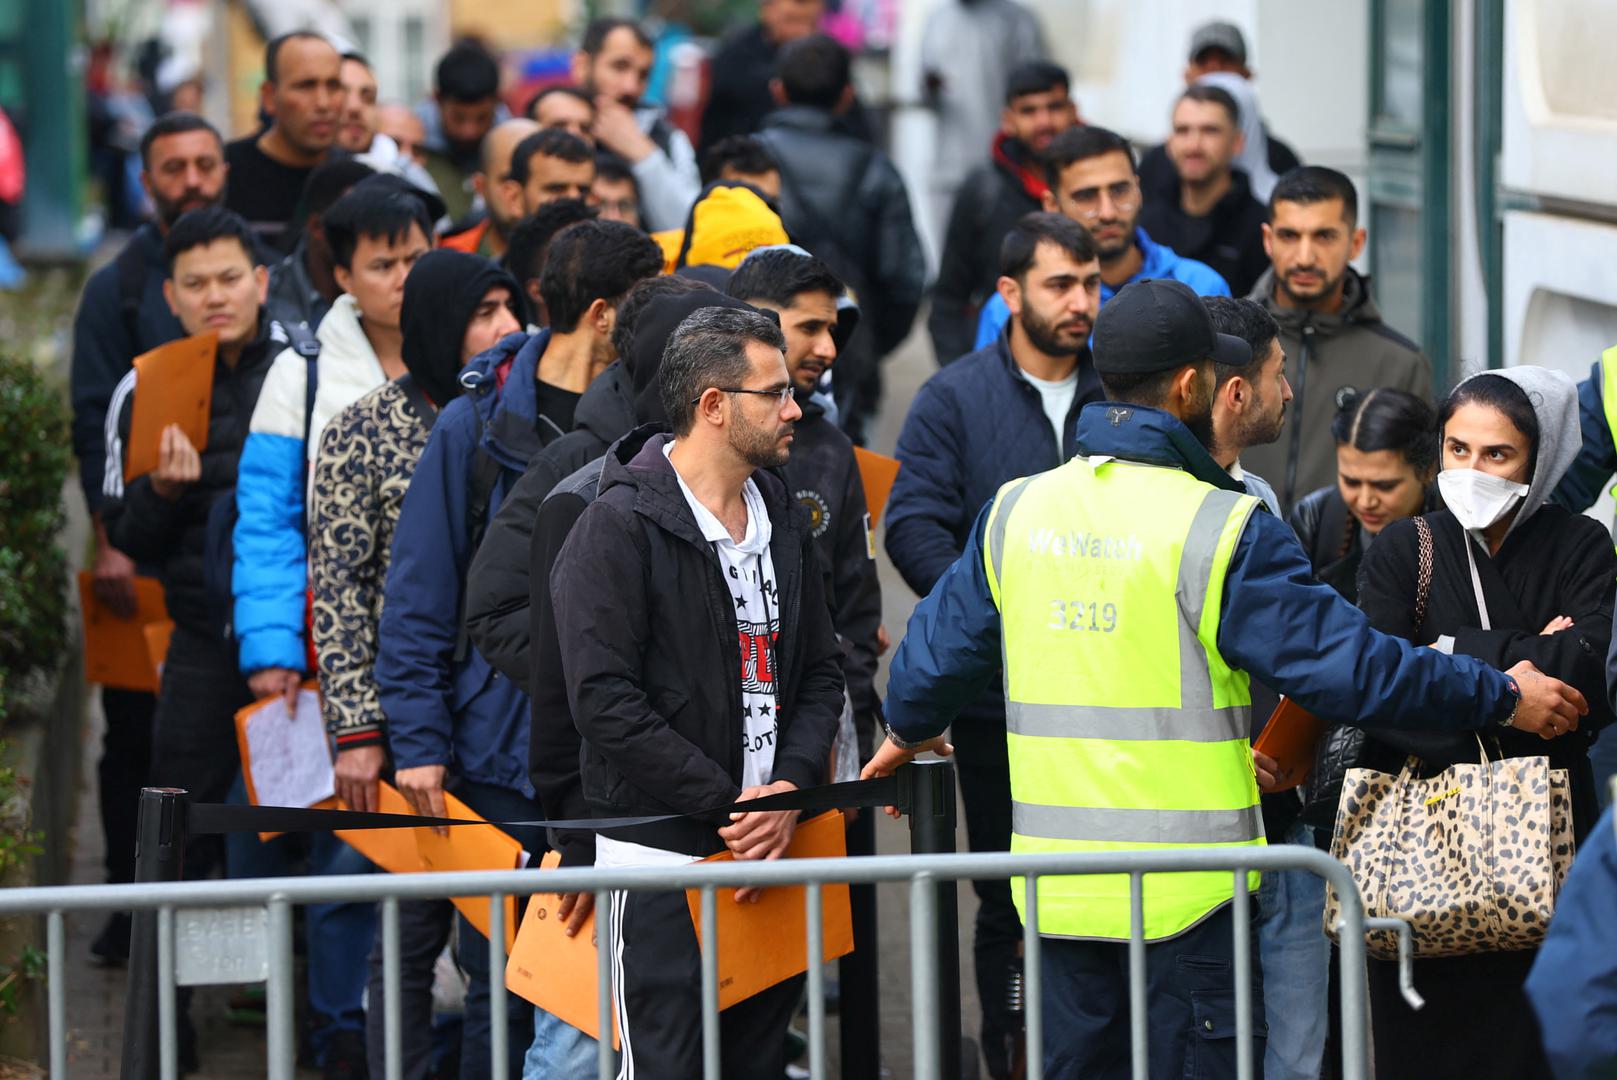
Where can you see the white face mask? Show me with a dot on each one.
(1478, 499)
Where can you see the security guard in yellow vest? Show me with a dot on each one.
(1125, 596)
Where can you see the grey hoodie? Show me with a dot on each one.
(1554, 397)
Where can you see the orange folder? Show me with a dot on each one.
(173, 385)
(470, 847)
(1290, 737)
(393, 850)
(157, 637)
(877, 472)
(765, 943)
(115, 651)
(242, 718)
(556, 972)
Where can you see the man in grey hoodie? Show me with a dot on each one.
(1329, 326)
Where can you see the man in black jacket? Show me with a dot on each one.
(1038, 107)
(160, 518)
(844, 200)
(1205, 210)
(693, 547)
(122, 314)
(744, 63)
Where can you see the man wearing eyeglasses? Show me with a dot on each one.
(693, 545)
(1093, 180)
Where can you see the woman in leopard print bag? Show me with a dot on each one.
(1511, 578)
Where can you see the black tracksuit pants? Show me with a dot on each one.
(657, 985)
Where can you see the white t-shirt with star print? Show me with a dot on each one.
(750, 573)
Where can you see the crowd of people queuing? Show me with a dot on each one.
(520, 423)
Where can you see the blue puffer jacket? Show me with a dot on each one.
(1159, 261)
(1276, 622)
(440, 710)
(973, 426)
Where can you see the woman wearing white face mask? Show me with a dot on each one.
(1513, 578)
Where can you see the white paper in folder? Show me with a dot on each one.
(289, 755)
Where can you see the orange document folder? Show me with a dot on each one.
(1290, 737)
(472, 847)
(877, 472)
(553, 971)
(157, 637)
(244, 718)
(173, 385)
(766, 942)
(115, 649)
(393, 850)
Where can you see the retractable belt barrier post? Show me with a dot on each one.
(928, 789)
(159, 856)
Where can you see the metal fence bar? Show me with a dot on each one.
(1032, 979)
(281, 1038)
(56, 990)
(168, 1055)
(710, 983)
(1138, 1038)
(1351, 967)
(392, 1007)
(924, 976)
(605, 955)
(1406, 956)
(816, 980)
(499, 1021)
(1242, 914)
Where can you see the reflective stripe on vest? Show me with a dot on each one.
(1126, 729)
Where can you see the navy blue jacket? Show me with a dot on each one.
(972, 427)
(1573, 985)
(1597, 461)
(439, 710)
(1277, 623)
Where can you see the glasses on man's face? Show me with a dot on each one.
(781, 396)
(1124, 195)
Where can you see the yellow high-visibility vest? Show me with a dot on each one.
(1127, 730)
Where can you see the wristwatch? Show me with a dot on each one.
(1516, 704)
(894, 738)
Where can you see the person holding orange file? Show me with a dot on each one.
(161, 517)
(690, 548)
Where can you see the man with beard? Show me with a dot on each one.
(1330, 327)
(1092, 181)
(1124, 600)
(548, 165)
(693, 546)
(1205, 208)
(464, 108)
(1003, 411)
(122, 314)
(502, 208)
(1038, 107)
(613, 64)
(302, 94)
(356, 128)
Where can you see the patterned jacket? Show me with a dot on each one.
(367, 456)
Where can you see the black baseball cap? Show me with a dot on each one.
(1226, 37)
(1158, 325)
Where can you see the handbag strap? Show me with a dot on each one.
(1476, 584)
(1423, 572)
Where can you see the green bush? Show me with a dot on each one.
(35, 453)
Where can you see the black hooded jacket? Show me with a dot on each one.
(440, 296)
(621, 396)
(650, 663)
(172, 534)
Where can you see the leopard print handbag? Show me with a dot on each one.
(1471, 858)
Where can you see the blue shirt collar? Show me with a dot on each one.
(1140, 433)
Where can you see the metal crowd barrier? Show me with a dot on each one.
(260, 911)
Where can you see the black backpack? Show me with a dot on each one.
(219, 545)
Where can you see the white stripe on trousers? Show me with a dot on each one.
(620, 904)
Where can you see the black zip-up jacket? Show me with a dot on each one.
(171, 535)
(989, 202)
(497, 584)
(823, 476)
(651, 662)
(1229, 237)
